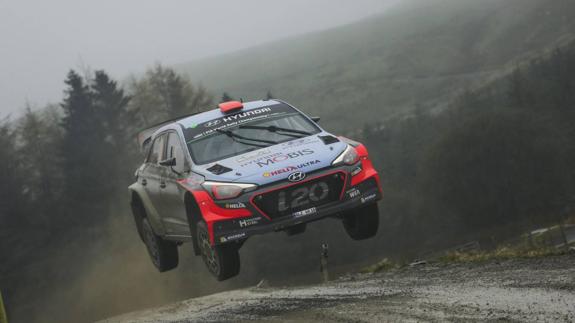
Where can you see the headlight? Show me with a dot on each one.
(349, 157)
(225, 191)
(192, 182)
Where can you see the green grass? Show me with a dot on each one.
(3, 317)
(382, 266)
(501, 253)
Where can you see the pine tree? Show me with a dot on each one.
(39, 136)
(111, 109)
(12, 201)
(111, 105)
(82, 152)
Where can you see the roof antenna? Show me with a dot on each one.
(241, 100)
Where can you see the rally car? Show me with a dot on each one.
(219, 177)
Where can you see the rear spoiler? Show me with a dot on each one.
(144, 137)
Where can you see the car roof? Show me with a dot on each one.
(216, 113)
(145, 136)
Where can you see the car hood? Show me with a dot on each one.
(274, 163)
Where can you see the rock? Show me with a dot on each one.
(418, 263)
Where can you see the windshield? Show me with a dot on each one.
(232, 140)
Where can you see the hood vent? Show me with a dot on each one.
(218, 169)
(328, 140)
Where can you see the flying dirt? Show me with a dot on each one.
(526, 290)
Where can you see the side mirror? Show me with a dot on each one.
(315, 119)
(168, 162)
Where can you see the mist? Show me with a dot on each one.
(444, 93)
(42, 40)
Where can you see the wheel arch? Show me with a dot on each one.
(140, 198)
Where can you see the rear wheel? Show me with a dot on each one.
(362, 223)
(164, 254)
(223, 261)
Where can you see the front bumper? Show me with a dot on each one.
(359, 190)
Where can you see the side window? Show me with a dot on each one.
(175, 150)
(157, 150)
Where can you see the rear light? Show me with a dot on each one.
(226, 191)
(348, 157)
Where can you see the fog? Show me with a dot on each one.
(42, 40)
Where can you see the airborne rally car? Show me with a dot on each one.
(218, 177)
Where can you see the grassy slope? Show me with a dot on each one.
(420, 53)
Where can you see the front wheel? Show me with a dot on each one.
(223, 261)
(362, 223)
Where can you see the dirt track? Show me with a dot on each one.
(518, 290)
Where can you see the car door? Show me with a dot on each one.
(172, 206)
(152, 174)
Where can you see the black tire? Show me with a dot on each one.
(362, 223)
(296, 229)
(164, 254)
(223, 261)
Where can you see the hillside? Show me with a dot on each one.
(418, 54)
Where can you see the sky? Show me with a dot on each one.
(41, 40)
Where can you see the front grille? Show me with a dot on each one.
(303, 196)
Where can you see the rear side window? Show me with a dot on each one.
(157, 150)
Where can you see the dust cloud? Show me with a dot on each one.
(114, 275)
(109, 273)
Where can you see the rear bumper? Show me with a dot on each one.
(359, 190)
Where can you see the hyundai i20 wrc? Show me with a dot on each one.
(219, 177)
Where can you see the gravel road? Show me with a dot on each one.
(524, 290)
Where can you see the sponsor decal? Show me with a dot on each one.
(231, 121)
(256, 160)
(290, 168)
(251, 156)
(210, 127)
(236, 118)
(238, 205)
(212, 123)
(299, 142)
(233, 237)
(305, 212)
(353, 193)
(368, 198)
(283, 157)
(296, 177)
(246, 114)
(249, 222)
